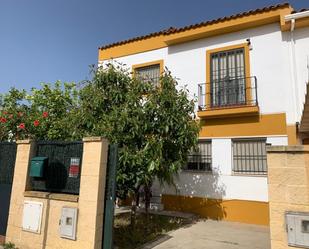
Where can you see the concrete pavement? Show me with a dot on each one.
(215, 235)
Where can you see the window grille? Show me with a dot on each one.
(228, 82)
(249, 156)
(200, 159)
(149, 74)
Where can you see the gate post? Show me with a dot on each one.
(92, 189)
(25, 150)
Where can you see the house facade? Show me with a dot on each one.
(249, 74)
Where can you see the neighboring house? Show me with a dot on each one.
(250, 73)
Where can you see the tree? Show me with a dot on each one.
(54, 108)
(48, 113)
(12, 117)
(153, 126)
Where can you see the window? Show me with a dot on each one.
(149, 73)
(200, 159)
(228, 78)
(249, 156)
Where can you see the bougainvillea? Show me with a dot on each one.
(47, 113)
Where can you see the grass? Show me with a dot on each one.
(128, 237)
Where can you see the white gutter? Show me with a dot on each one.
(296, 15)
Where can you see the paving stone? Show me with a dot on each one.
(215, 235)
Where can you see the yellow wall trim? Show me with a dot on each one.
(245, 46)
(150, 63)
(292, 135)
(135, 47)
(229, 26)
(229, 112)
(252, 212)
(258, 125)
(218, 28)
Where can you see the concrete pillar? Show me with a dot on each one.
(25, 150)
(92, 190)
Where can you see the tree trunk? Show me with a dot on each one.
(135, 203)
(147, 190)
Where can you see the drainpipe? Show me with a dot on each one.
(294, 71)
(295, 84)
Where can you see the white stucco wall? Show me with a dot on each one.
(221, 183)
(270, 62)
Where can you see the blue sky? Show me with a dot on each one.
(49, 40)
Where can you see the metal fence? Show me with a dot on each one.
(230, 92)
(7, 165)
(62, 174)
(7, 162)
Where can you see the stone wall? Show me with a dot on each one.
(288, 184)
(89, 202)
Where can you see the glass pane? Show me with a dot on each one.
(200, 159)
(149, 74)
(228, 78)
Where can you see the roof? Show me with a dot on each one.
(173, 30)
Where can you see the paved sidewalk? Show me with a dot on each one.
(215, 235)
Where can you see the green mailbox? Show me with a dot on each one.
(37, 166)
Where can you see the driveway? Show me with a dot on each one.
(215, 235)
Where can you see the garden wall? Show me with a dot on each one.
(288, 185)
(89, 202)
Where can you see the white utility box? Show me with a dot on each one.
(297, 226)
(32, 216)
(68, 223)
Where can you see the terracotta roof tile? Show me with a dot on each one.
(173, 30)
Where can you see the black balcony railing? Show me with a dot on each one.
(228, 92)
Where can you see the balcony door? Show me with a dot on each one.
(227, 78)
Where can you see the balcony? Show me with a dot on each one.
(228, 97)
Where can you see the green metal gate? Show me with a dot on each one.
(7, 165)
(110, 191)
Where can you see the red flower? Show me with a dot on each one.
(4, 113)
(3, 120)
(20, 114)
(36, 123)
(45, 114)
(22, 126)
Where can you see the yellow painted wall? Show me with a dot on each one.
(252, 212)
(257, 125)
(292, 135)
